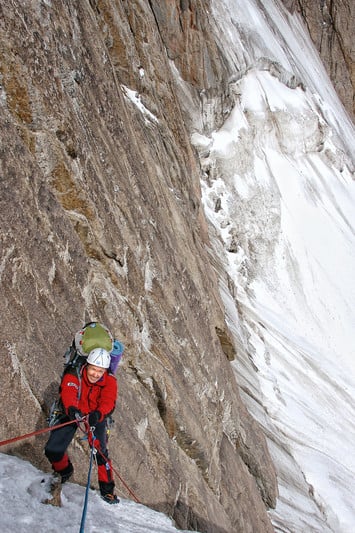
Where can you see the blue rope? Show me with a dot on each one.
(83, 516)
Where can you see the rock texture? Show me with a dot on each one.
(331, 27)
(100, 218)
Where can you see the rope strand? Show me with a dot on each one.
(39, 432)
(83, 516)
(120, 478)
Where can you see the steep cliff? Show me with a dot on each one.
(331, 27)
(101, 218)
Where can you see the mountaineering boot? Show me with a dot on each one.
(55, 490)
(110, 498)
(107, 492)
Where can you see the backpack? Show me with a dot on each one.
(92, 335)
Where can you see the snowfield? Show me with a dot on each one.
(23, 488)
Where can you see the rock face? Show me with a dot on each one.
(101, 219)
(331, 27)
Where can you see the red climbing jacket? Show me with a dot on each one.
(79, 392)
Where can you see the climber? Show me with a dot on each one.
(91, 396)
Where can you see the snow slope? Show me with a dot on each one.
(23, 488)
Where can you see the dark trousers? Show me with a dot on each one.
(59, 440)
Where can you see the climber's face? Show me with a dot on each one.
(94, 373)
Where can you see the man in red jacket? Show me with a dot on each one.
(93, 392)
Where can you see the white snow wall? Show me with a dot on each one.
(278, 191)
